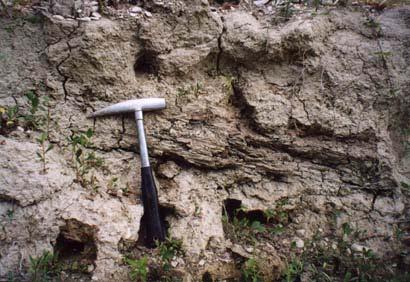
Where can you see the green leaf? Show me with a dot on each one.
(89, 133)
(257, 226)
(405, 185)
(43, 137)
(347, 230)
(347, 277)
(51, 146)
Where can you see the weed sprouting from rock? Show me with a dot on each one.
(8, 118)
(251, 271)
(44, 267)
(139, 268)
(44, 148)
(84, 158)
(168, 249)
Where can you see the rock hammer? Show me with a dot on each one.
(155, 230)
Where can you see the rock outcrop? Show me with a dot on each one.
(310, 112)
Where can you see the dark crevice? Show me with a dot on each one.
(232, 209)
(207, 277)
(185, 163)
(220, 49)
(58, 67)
(146, 63)
(75, 247)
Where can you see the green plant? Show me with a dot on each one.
(258, 227)
(84, 160)
(44, 148)
(10, 277)
(38, 118)
(10, 214)
(287, 11)
(251, 271)
(277, 229)
(228, 83)
(33, 119)
(347, 230)
(168, 249)
(43, 268)
(293, 269)
(9, 28)
(139, 268)
(405, 186)
(383, 54)
(8, 117)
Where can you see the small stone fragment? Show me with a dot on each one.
(135, 10)
(58, 17)
(95, 16)
(260, 3)
(359, 248)
(148, 14)
(201, 262)
(249, 249)
(90, 268)
(85, 19)
(174, 263)
(301, 232)
(299, 243)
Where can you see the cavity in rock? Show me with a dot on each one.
(146, 63)
(76, 248)
(232, 209)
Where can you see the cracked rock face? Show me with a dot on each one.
(257, 113)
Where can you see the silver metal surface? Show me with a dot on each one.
(144, 104)
(141, 139)
(137, 106)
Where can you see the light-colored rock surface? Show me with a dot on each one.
(256, 112)
(22, 178)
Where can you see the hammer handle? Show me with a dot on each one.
(154, 226)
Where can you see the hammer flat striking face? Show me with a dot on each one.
(155, 228)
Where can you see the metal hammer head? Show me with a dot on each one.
(145, 104)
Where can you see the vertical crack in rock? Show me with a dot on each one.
(220, 49)
(58, 67)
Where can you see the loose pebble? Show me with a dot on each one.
(85, 19)
(249, 249)
(299, 243)
(58, 17)
(135, 10)
(301, 232)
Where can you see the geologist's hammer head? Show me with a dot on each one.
(144, 104)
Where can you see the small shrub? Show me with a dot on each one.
(44, 149)
(139, 268)
(293, 270)
(168, 249)
(83, 159)
(8, 118)
(43, 268)
(251, 271)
